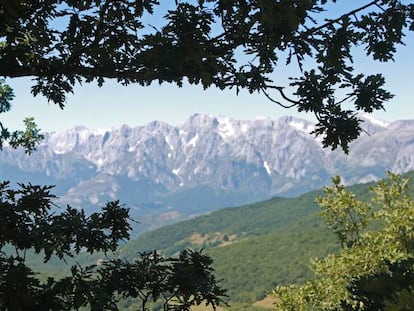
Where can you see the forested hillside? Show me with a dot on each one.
(254, 247)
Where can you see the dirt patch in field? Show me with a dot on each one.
(217, 238)
(266, 303)
(206, 308)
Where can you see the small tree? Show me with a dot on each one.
(375, 268)
(27, 224)
(27, 138)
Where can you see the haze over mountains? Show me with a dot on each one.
(167, 172)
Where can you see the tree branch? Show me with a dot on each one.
(333, 21)
(105, 72)
(282, 93)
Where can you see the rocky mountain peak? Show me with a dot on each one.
(207, 162)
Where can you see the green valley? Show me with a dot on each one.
(254, 247)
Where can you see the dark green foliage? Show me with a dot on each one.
(251, 268)
(225, 44)
(385, 291)
(273, 242)
(247, 221)
(27, 222)
(28, 227)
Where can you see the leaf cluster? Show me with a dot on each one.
(29, 221)
(30, 137)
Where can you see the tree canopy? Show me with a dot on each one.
(375, 268)
(28, 224)
(225, 44)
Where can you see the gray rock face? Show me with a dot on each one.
(206, 163)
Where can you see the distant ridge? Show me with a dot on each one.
(166, 173)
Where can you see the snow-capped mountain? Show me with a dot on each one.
(206, 163)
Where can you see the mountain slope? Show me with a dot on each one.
(254, 247)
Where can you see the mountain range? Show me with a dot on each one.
(166, 173)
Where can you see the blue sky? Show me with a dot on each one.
(114, 105)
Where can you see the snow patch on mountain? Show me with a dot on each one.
(226, 127)
(193, 141)
(267, 168)
(375, 121)
(167, 140)
(244, 128)
(301, 126)
(100, 131)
